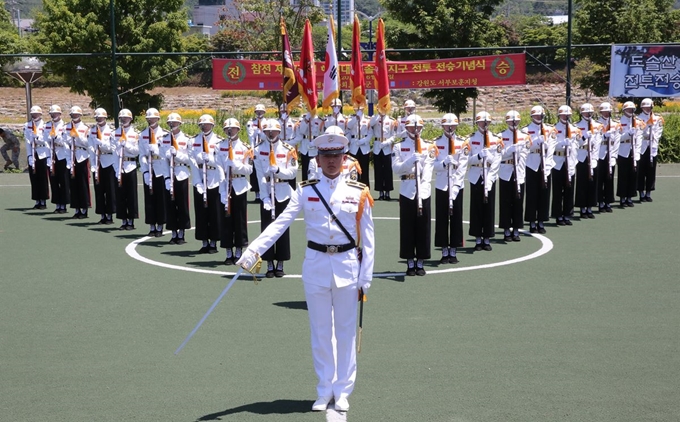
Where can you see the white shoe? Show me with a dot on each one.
(341, 404)
(321, 404)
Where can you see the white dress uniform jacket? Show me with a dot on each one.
(52, 135)
(401, 152)
(458, 168)
(184, 160)
(493, 159)
(150, 157)
(286, 160)
(214, 174)
(653, 131)
(287, 130)
(611, 136)
(540, 134)
(566, 146)
(337, 120)
(631, 136)
(592, 131)
(99, 139)
(75, 135)
(359, 135)
(254, 130)
(514, 155)
(384, 130)
(33, 135)
(307, 129)
(126, 141)
(235, 169)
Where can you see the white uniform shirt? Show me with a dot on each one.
(241, 166)
(594, 130)
(566, 146)
(514, 154)
(492, 161)
(654, 130)
(183, 160)
(358, 134)
(33, 131)
(337, 120)
(287, 130)
(384, 131)
(401, 152)
(631, 137)
(52, 136)
(129, 148)
(79, 141)
(149, 153)
(611, 136)
(305, 132)
(286, 160)
(541, 134)
(458, 168)
(100, 140)
(214, 174)
(254, 130)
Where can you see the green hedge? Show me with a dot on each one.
(669, 145)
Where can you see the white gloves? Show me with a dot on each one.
(273, 170)
(540, 139)
(365, 286)
(58, 143)
(411, 160)
(92, 168)
(200, 188)
(167, 184)
(205, 157)
(511, 148)
(153, 148)
(147, 177)
(30, 161)
(483, 153)
(228, 162)
(386, 144)
(447, 160)
(247, 260)
(170, 152)
(359, 113)
(267, 204)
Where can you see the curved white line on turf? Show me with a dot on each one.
(546, 246)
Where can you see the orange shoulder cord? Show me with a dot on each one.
(365, 197)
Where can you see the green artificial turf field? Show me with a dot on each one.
(587, 331)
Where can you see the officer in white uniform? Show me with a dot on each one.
(409, 109)
(177, 150)
(383, 129)
(360, 137)
(565, 157)
(307, 129)
(154, 172)
(413, 161)
(331, 272)
(236, 160)
(512, 174)
(648, 149)
(103, 169)
(632, 129)
(255, 136)
(37, 152)
(126, 140)
(450, 168)
(287, 132)
(586, 168)
(59, 160)
(75, 135)
(609, 150)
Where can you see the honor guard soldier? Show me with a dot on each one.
(565, 157)
(236, 160)
(59, 160)
(336, 118)
(126, 140)
(630, 144)
(308, 128)
(450, 167)
(606, 165)
(276, 163)
(255, 136)
(409, 109)
(177, 150)
(484, 163)
(512, 174)
(337, 218)
(287, 132)
(207, 176)
(383, 129)
(586, 168)
(649, 149)
(102, 158)
(539, 165)
(11, 143)
(37, 152)
(75, 135)
(154, 172)
(413, 161)
(359, 137)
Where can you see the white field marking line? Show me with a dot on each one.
(546, 246)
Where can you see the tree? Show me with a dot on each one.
(444, 24)
(142, 26)
(10, 42)
(641, 21)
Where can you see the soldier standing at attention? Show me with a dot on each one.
(648, 150)
(566, 147)
(255, 136)
(586, 168)
(37, 152)
(632, 129)
(75, 135)
(606, 165)
(512, 174)
(359, 142)
(383, 128)
(59, 160)
(103, 160)
(126, 142)
(154, 171)
(177, 150)
(539, 165)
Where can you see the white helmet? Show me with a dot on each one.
(100, 112)
(76, 110)
(537, 111)
(647, 102)
(125, 113)
(628, 104)
(270, 125)
(206, 119)
(336, 103)
(449, 119)
(605, 107)
(334, 130)
(409, 103)
(587, 108)
(36, 110)
(174, 117)
(512, 116)
(55, 109)
(260, 107)
(152, 113)
(414, 121)
(566, 110)
(231, 123)
(483, 116)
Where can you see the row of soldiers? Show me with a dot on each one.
(576, 161)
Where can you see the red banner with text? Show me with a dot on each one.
(469, 72)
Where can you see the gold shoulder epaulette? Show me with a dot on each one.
(350, 158)
(355, 184)
(309, 182)
(288, 146)
(246, 144)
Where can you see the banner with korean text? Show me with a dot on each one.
(645, 71)
(469, 72)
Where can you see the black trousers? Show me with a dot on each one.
(646, 173)
(254, 182)
(304, 159)
(626, 184)
(177, 210)
(538, 197)
(154, 204)
(482, 215)
(235, 226)
(586, 187)
(281, 249)
(208, 219)
(105, 191)
(414, 229)
(60, 183)
(382, 170)
(605, 182)
(80, 186)
(510, 204)
(126, 197)
(563, 193)
(364, 162)
(40, 185)
(448, 227)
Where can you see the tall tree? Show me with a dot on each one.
(640, 21)
(10, 42)
(142, 26)
(442, 24)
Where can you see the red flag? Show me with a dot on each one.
(357, 82)
(306, 72)
(380, 74)
(291, 91)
